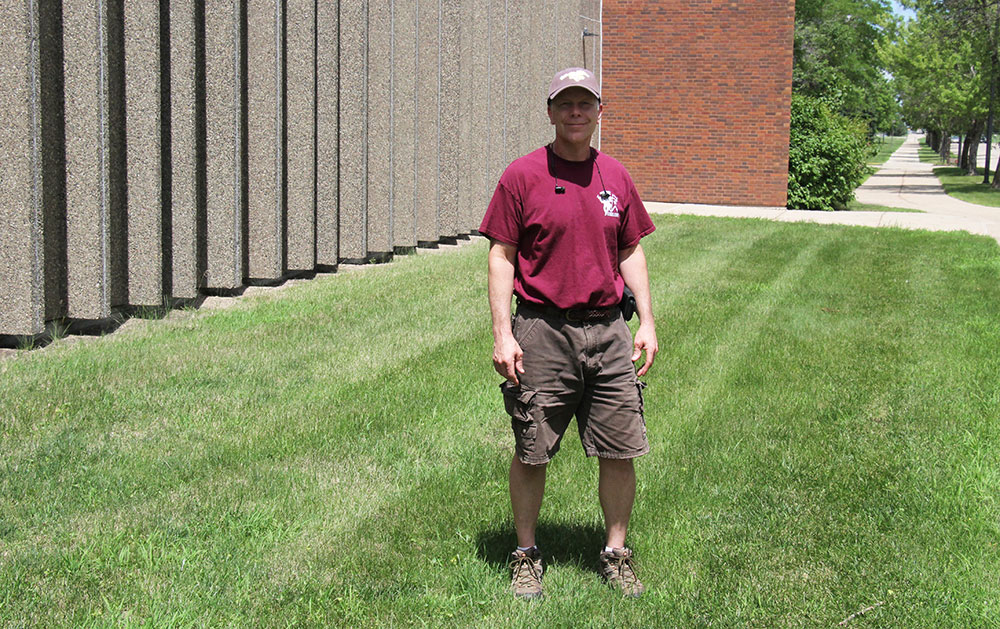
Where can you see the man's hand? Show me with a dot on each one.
(645, 341)
(508, 358)
(507, 354)
(632, 264)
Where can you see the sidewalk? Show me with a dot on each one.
(902, 182)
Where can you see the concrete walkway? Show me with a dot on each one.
(902, 182)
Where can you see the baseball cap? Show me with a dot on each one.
(574, 77)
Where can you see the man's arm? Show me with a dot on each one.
(632, 266)
(507, 354)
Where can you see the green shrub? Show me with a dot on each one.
(827, 156)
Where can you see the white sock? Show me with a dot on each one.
(609, 549)
(525, 549)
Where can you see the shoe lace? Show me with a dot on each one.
(625, 567)
(525, 571)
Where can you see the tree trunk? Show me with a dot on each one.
(973, 152)
(960, 153)
(934, 140)
(972, 147)
(945, 149)
(996, 182)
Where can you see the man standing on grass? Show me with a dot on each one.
(564, 226)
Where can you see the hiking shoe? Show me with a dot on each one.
(618, 569)
(526, 573)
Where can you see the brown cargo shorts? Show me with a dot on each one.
(575, 368)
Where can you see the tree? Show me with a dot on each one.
(837, 60)
(966, 34)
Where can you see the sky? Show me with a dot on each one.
(898, 10)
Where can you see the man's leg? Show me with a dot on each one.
(616, 489)
(527, 485)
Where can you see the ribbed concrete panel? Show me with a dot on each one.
(96, 226)
(21, 243)
(404, 110)
(522, 58)
(470, 77)
(301, 125)
(265, 139)
(449, 99)
(540, 56)
(353, 129)
(428, 68)
(224, 143)
(590, 51)
(380, 145)
(327, 132)
(142, 130)
(187, 92)
(481, 184)
(568, 35)
(496, 103)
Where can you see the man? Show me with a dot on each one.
(564, 226)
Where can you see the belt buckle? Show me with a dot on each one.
(571, 316)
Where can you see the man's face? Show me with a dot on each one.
(575, 113)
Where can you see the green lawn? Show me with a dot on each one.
(969, 188)
(823, 424)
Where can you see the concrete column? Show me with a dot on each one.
(428, 121)
(327, 133)
(519, 120)
(353, 129)
(22, 252)
(142, 124)
(496, 103)
(187, 119)
(301, 125)
(590, 50)
(475, 192)
(404, 112)
(265, 139)
(380, 141)
(95, 183)
(449, 100)
(225, 71)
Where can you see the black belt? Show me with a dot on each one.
(581, 315)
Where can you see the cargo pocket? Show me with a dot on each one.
(518, 400)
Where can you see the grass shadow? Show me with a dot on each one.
(561, 543)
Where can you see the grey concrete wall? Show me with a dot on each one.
(160, 151)
(186, 157)
(225, 25)
(300, 166)
(426, 138)
(22, 254)
(95, 225)
(142, 134)
(449, 105)
(353, 143)
(265, 140)
(327, 133)
(379, 104)
(404, 116)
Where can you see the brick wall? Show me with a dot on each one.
(697, 96)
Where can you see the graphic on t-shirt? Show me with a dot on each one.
(610, 203)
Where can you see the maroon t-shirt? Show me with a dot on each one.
(567, 243)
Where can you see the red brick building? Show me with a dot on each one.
(697, 96)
